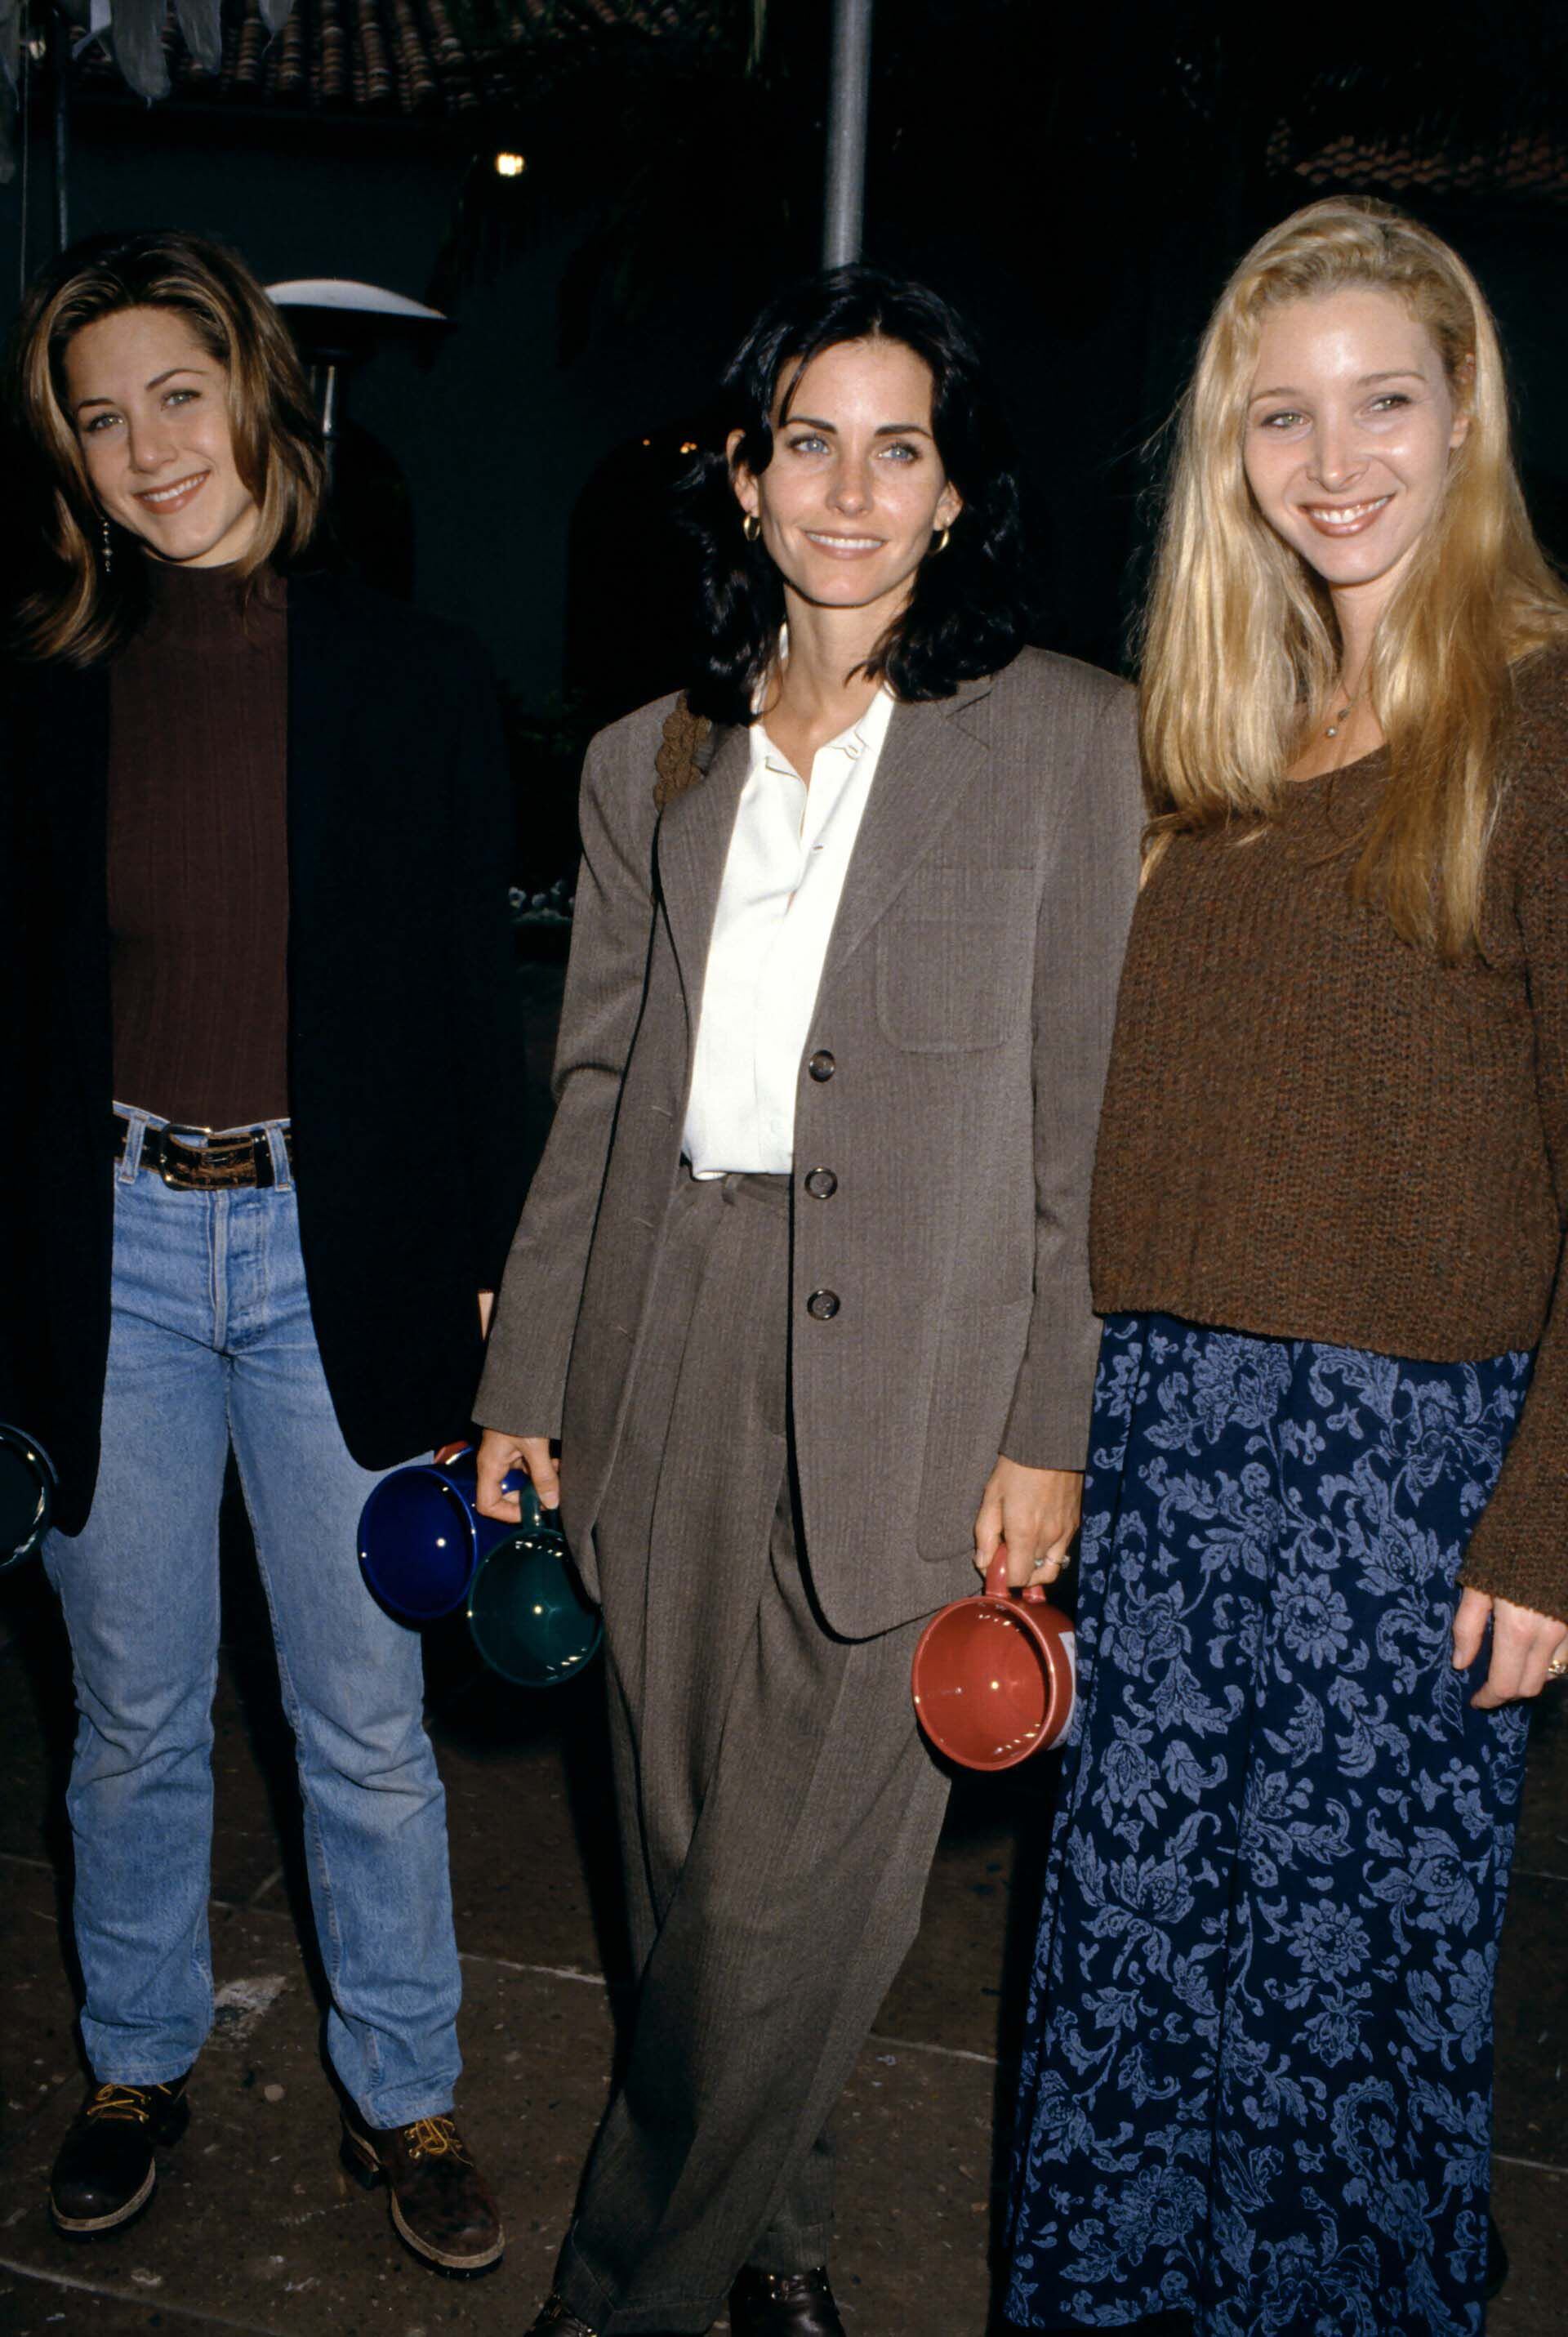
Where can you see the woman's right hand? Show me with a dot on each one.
(498, 1456)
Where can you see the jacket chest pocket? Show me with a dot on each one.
(955, 960)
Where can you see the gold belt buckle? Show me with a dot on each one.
(181, 1175)
(206, 1168)
(233, 1163)
(220, 1166)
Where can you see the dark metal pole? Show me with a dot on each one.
(323, 381)
(849, 105)
(60, 72)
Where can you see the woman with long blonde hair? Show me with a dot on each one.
(256, 988)
(1325, 1542)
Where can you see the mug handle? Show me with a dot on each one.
(997, 1585)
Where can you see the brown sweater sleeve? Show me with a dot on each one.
(1519, 1549)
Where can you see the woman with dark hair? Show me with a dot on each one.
(801, 1284)
(258, 1002)
(964, 618)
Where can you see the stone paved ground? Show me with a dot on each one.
(256, 2230)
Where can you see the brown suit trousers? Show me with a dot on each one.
(778, 1808)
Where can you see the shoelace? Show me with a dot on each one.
(114, 2101)
(566, 2323)
(436, 2137)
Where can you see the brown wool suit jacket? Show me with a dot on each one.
(951, 1084)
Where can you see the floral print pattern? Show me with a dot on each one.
(1257, 2076)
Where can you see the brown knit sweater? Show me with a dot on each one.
(1312, 1130)
(199, 850)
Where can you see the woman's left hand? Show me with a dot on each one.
(1035, 1513)
(1524, 1644)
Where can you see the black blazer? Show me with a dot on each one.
(407, 1081)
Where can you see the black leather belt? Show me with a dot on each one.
(216, 1166)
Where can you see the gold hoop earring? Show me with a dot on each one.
(751, 527)
(942, 542)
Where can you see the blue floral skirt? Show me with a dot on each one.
(1257, 2072)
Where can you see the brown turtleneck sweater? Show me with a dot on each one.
(197, 850)
(1312, 1130)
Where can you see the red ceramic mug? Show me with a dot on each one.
(994, 1676)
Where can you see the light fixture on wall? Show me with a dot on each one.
(510, 166)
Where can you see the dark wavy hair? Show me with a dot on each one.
(969, 608)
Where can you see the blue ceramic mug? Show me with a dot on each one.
(426, 1551)
(28, 1488)
(421, 1536)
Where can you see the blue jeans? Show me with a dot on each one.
(211, 1342)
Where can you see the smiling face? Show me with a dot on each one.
(150, 407)
(1350, 428)
(856, 488)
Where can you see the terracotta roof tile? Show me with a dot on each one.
(1533, 164)
(400, 57)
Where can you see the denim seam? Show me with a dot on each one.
(368, 2043)
(159, 2074)
(217, 1266)
(264, 1224)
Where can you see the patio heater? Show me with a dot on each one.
(338, 322)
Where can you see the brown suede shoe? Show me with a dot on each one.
(555, 2321)
(783, 2304)
(441, 2203)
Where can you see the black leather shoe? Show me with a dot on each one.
(441, 2203)
(783, 2304)
(555, 2321)
(107, 2170)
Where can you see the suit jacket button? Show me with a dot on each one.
(823, 1305)
(822, 1184)
(821, 1065)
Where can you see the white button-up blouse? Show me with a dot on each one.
(788, 856)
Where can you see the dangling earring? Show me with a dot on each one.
(751, 527)
(942, 542)
(108, 551)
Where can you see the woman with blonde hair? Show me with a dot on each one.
(1325, 1542)
(257, 999)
